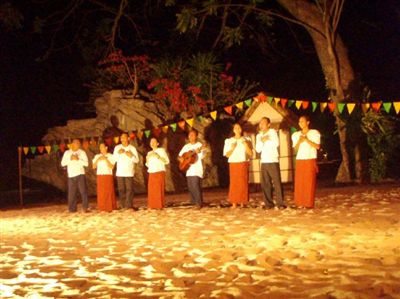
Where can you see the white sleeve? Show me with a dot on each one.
(295, 138)
(83, 159)
(66, 159)
(227, 146)
(165, 156)
(259, 143)
(135, 157)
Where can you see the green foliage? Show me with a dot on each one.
(186, 19)
(232, 36)
(382, 140)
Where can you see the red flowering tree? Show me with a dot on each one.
(194, 85)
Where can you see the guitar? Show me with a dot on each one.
(189, 158)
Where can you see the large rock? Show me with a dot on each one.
(132, 114)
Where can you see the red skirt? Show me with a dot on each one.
(305, 183)
(105, 193)
(239, 183)
(155, 193)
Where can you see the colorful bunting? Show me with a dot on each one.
(140, 134)
(165, 129)
(48, 148)
(298, 104)
(200, 118)
(341, 107)
(350, 107)
(290, 103)
(305, 104)
(277, 100)
(239, 105)
(116, 139)
(147, 133)
(365, 107)
(270, 99)
(55, 148)
(182, 124)
(314, 106)
(248, 102)
(40, 149)
(283, 102)
(173, 126)
(387, 106)
(62, 147)
(190, 121)
(332, 106)
(396, 106)
(322, 106)
(376, 106)
(228, 109)
(292, 130)
(132, 136)
(156, 132)
(213, 115)
(26, 150)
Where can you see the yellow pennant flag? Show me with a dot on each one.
(190, 121)
(239, 105)
(322, 106)
(48, 148)
(350, 107)
(26, 150)
(298, 104)
(213, 115)
(396, 106)
(69, 145)
(165, 129)
(116, 139)
(277, 100)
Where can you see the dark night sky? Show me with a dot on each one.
(38, 95)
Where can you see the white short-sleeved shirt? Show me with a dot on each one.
(196, 169)
(306, 151)
(125, 165)
(269, 148)
(153, 163)
(102, 166)
(75, 167)
(239, 153)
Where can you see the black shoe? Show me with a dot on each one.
(282, 207)
(268, 207)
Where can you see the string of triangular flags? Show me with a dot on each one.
(261, 97)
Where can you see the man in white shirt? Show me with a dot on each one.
(194, 174)
(126, 157)
(267, 143)
(76, 160)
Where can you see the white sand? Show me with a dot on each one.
(347, 247)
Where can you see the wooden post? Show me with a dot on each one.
(21, 197)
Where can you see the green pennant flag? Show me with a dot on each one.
(33, 149)
(248, 102)
(341, 107)
(270, 99)
(387, 106)
(147, 133)
(173, 126)
(290, 103)
(55, 148)
(200, 118)
(292, 130)
(314, 106)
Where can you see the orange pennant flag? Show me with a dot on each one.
(298, 104)
(239, 105)
(48, 148)
(322, 106)
(350, 107)
(213, 115)
(165, 129)
(156, 132)
(396, 106)
(376, 106)
(40, 149)
(26, 150)
(139, 134)
(365, 107)
(62, 147)
(132, 136)
(261, 97)
(305, 104)
(182, 124)
(283, 102)
(332, 106)
(190, 121)
(228, 109)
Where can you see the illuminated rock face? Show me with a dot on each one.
(131, 115)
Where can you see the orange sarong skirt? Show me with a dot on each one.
(155, 193)
(105, 193)
(239, 182)
(305, 182)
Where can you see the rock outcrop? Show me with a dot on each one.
(132, 114)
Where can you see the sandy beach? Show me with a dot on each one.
(347, 247)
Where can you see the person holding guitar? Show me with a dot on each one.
(238, 149)
(190, 161)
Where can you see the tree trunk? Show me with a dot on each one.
(335, 63)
